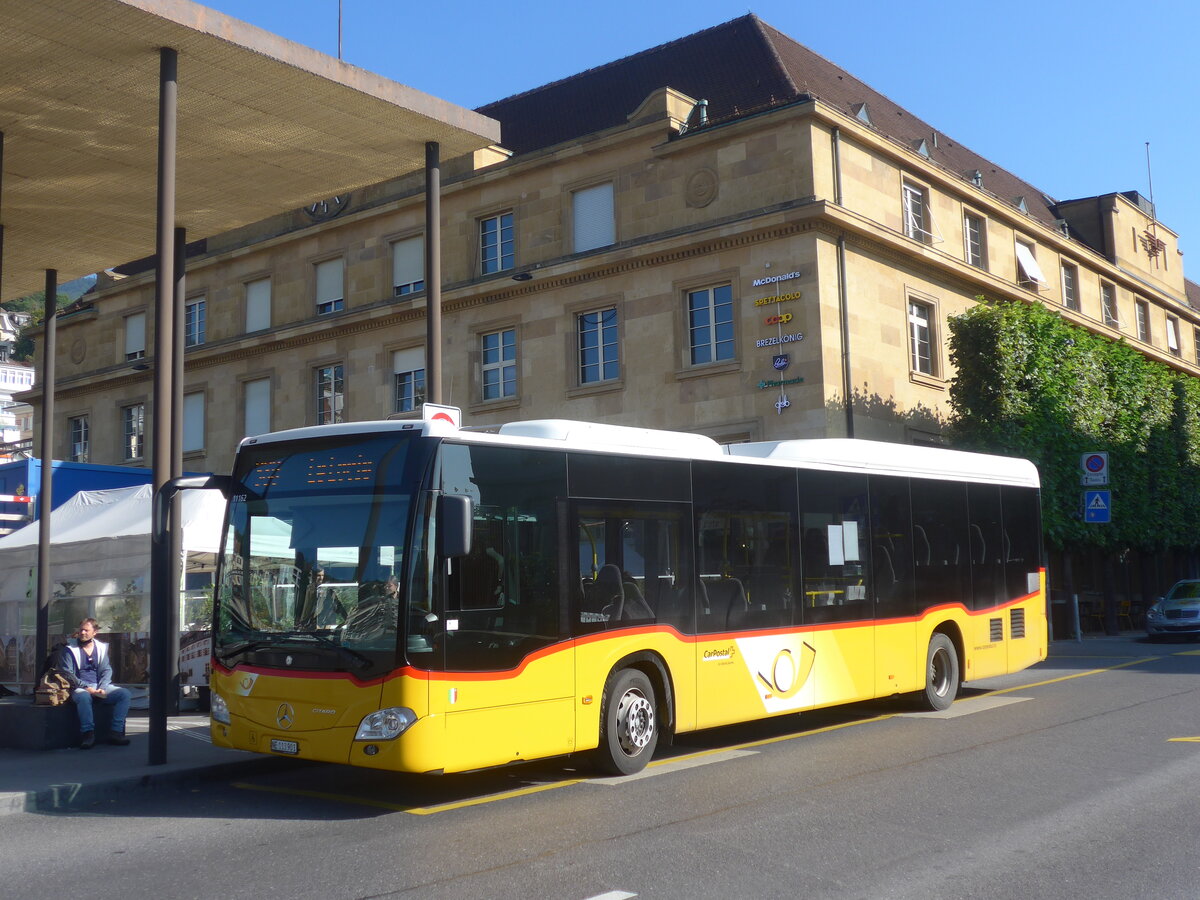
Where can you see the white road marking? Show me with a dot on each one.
(677, 765)
(966, 708)
(613, 895)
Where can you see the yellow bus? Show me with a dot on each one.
(419, 597)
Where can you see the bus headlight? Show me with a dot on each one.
(218, 708)
(385, 725)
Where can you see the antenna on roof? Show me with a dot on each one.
(1150, 180)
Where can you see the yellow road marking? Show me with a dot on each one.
(1193, 740)
(762, 742)
(1124, 665)
(397, 807)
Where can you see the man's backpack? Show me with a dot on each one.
(52, 689)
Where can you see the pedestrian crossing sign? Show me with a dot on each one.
(1097, 507)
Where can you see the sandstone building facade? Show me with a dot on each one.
(726, 234)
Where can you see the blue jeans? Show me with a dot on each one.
(116, 697)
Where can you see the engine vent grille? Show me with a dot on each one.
(997, 630)
(1016, 622)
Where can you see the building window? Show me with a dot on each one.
(1070, 286)
(133, 430)
(408, 379)
(916, 212)
(258, 407)
(710, 324)
(1029, 273)
(193, 323)
(598, 346)
(1173, 336)
(920, 337)
(193, 422)
(408, 266)
(330, 293)
(330, 394)
(80, 438)
(1108, 305)
(496, 243)
(975, 240)
(1196, 341)
(135, 336)
(499, 364)
(1142, 310)
(258, 304)
(594, 224)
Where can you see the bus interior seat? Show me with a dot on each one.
(922, 551)
(636, 606)
(610, 592)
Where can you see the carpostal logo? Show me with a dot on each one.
(724, 653)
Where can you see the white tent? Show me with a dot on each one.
(104, 536)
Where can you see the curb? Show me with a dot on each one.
(71, 795)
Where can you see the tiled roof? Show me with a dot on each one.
(1193, 293)
(738, 67)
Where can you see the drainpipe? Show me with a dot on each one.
(843, 309)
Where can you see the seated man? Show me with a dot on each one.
(85, 665)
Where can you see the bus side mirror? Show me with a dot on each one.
(455, 517)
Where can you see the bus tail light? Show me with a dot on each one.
(386, 724)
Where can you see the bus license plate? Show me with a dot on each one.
(285, 746)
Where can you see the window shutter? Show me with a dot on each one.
(1029, 264)
(594, 226)
(258, 304)
(258, 407)
(329, 281)
(408, 261)
(193, 422)
(410, 360)
(135, 334)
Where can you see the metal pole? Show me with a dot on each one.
(176, 526)
(433, 273)
(1, 217)
(41, 641)
(162, 622)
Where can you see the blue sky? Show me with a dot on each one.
(1063, 93)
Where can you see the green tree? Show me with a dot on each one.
(35, 305)
(1031, 384)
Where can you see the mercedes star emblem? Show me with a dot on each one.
(285, 715)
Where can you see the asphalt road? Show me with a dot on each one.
(1073, 779)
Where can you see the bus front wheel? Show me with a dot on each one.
(942, 677)
(628, 723)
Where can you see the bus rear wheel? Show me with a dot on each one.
(942, 678)
(628, 723)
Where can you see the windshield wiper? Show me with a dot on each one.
(326, 641)
(298, 637)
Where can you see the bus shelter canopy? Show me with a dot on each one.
(264, 125)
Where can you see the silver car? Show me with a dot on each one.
(1176, 613)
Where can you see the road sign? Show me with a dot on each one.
(1094, 468)
(1097, 507)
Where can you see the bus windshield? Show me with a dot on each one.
(312, 568)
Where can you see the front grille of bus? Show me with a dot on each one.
(1016, 623)
(997, 630)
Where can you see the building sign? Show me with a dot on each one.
(779, 319)
(778, 382)
(781, 339)
(781, 362)
(775, 279)
(778, 298)
(782, 403)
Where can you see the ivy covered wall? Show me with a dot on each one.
(1031, 384)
